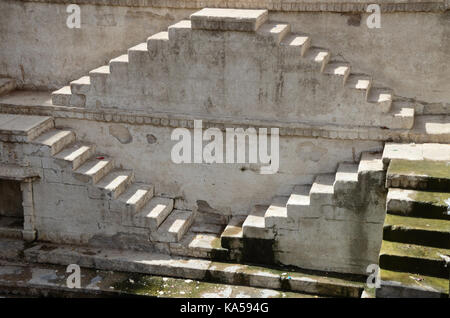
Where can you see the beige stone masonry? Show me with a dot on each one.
(274, 5)
(228, 19)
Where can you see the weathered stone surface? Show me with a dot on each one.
(121, 133)
(228, 19)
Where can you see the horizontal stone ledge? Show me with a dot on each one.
(327, 131)
(272, 5)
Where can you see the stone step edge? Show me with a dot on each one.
(393, 284)
(191, 268)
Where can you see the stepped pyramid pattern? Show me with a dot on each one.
(256, 65)
(386, 203)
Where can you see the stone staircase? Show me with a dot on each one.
(250, 238)
(416, 238)
(131, 203)
(124, 74)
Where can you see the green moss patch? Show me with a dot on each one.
(413, 251)
(436, 169)
(419, 281)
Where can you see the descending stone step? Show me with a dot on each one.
(420, 175)
(95, 169)
(400, 117)
(296, 42)
(433, 129)
(76, 154)
(340, 69)
(154, 213)
(132, 201)
(274, 31)
(201, 245)
(55, 139)
(62, 96)
(299, 202)
(407, 285)
(370, 162)
(188, 268)
(361, 83)
(119, 66)
(276, 212)
(254, 225)
(174, 227)
(116, 182)
(428, 232)
(346, 178)
(415, 259)
(418, 203)
(320, 56)
(382, 96)
(231, 237)
(322, 190)
(81, 85)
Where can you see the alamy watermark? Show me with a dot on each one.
(74, 19)
(190, 149)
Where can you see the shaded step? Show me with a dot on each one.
(382, 97)
(211, 228)
(189, 268)
(400, 117)
(340, 69)
(76, 154)
(370, 162)
(133, 200)
(116, 182)
(296, 43)
(346, 178)
(319, 56)
(201, 245)
(254, 225)
(415, 259)
(419, 175)
(274, 31)
(359, 82)
(407, 285)
(174, 227)
(81, 85)
(299, 202)
(276, 212)
(322, 190)
(418, 203)
(231, 237)
(154, 213)
(55, 139)
(95, 169)
(428, 232)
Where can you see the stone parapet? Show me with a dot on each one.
(273, 5)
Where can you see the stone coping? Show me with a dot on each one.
(17, 173)
(420, 133)
(273, 5)
(187, 121)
